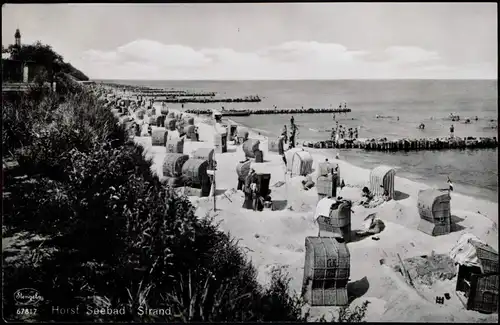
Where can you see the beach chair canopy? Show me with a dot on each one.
(326, 271)
(302, 162)
(323, 207)
(433, 204)
(382, 178)
(471, 251)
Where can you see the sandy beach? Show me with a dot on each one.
(375, 152)
(276, 238)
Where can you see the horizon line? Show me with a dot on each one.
(347, 79)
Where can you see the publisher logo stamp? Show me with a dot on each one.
(27, 297)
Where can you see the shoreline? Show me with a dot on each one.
(253, 133)
(359, 163)
(276, 238)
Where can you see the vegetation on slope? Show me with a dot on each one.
(111, 235)
(45, 56)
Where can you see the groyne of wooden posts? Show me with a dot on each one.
(408, 144)
(266, 111)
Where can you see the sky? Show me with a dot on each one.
(223, 41)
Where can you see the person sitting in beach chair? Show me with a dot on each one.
(248, 190)
(255, 196)
(385, 195)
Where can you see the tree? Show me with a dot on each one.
(44, 55)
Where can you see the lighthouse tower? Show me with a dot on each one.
(17, 35)
(17, 45)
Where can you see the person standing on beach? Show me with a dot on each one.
(452, 131)
(284, 134)
(293, 130)
(450, 184)
(292, 136)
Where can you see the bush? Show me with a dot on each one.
(45, 56)
(117, 237)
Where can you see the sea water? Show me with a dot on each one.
(473, 172)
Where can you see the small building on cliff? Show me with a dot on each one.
(16, 73)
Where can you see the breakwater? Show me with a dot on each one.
(181, 96)
(263, 111)
(173, 93)
(183, 99)
(408, 144)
